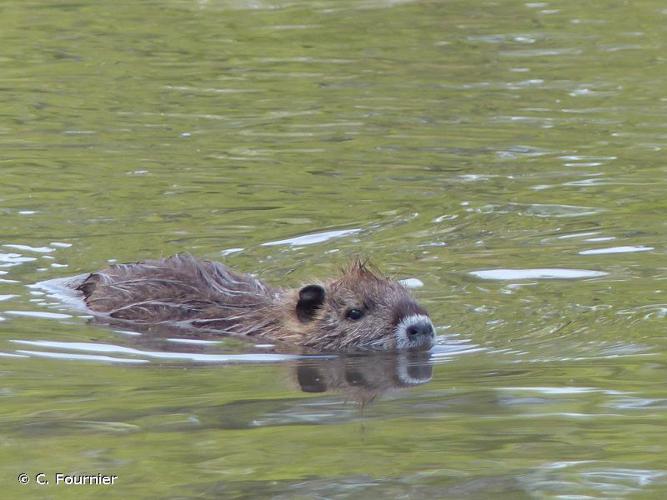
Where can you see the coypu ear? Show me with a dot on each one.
(311, 298)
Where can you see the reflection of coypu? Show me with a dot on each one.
(358, 310)
(362, 381)
(359, 379)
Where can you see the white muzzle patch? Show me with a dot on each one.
(415, 331)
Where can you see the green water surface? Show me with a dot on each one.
(508, 156)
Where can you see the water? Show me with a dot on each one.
(506, 158)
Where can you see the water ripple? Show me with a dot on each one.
(610, 250)
(522, 274)
(180, 356)
(313, 238)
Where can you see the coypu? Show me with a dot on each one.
(358, 310)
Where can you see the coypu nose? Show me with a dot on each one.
(415, 332)
(421, 328)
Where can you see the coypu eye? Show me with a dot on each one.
(354, 314)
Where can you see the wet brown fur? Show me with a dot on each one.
(187, 292)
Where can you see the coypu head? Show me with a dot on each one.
(361, 310)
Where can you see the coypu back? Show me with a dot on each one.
(179, 288)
